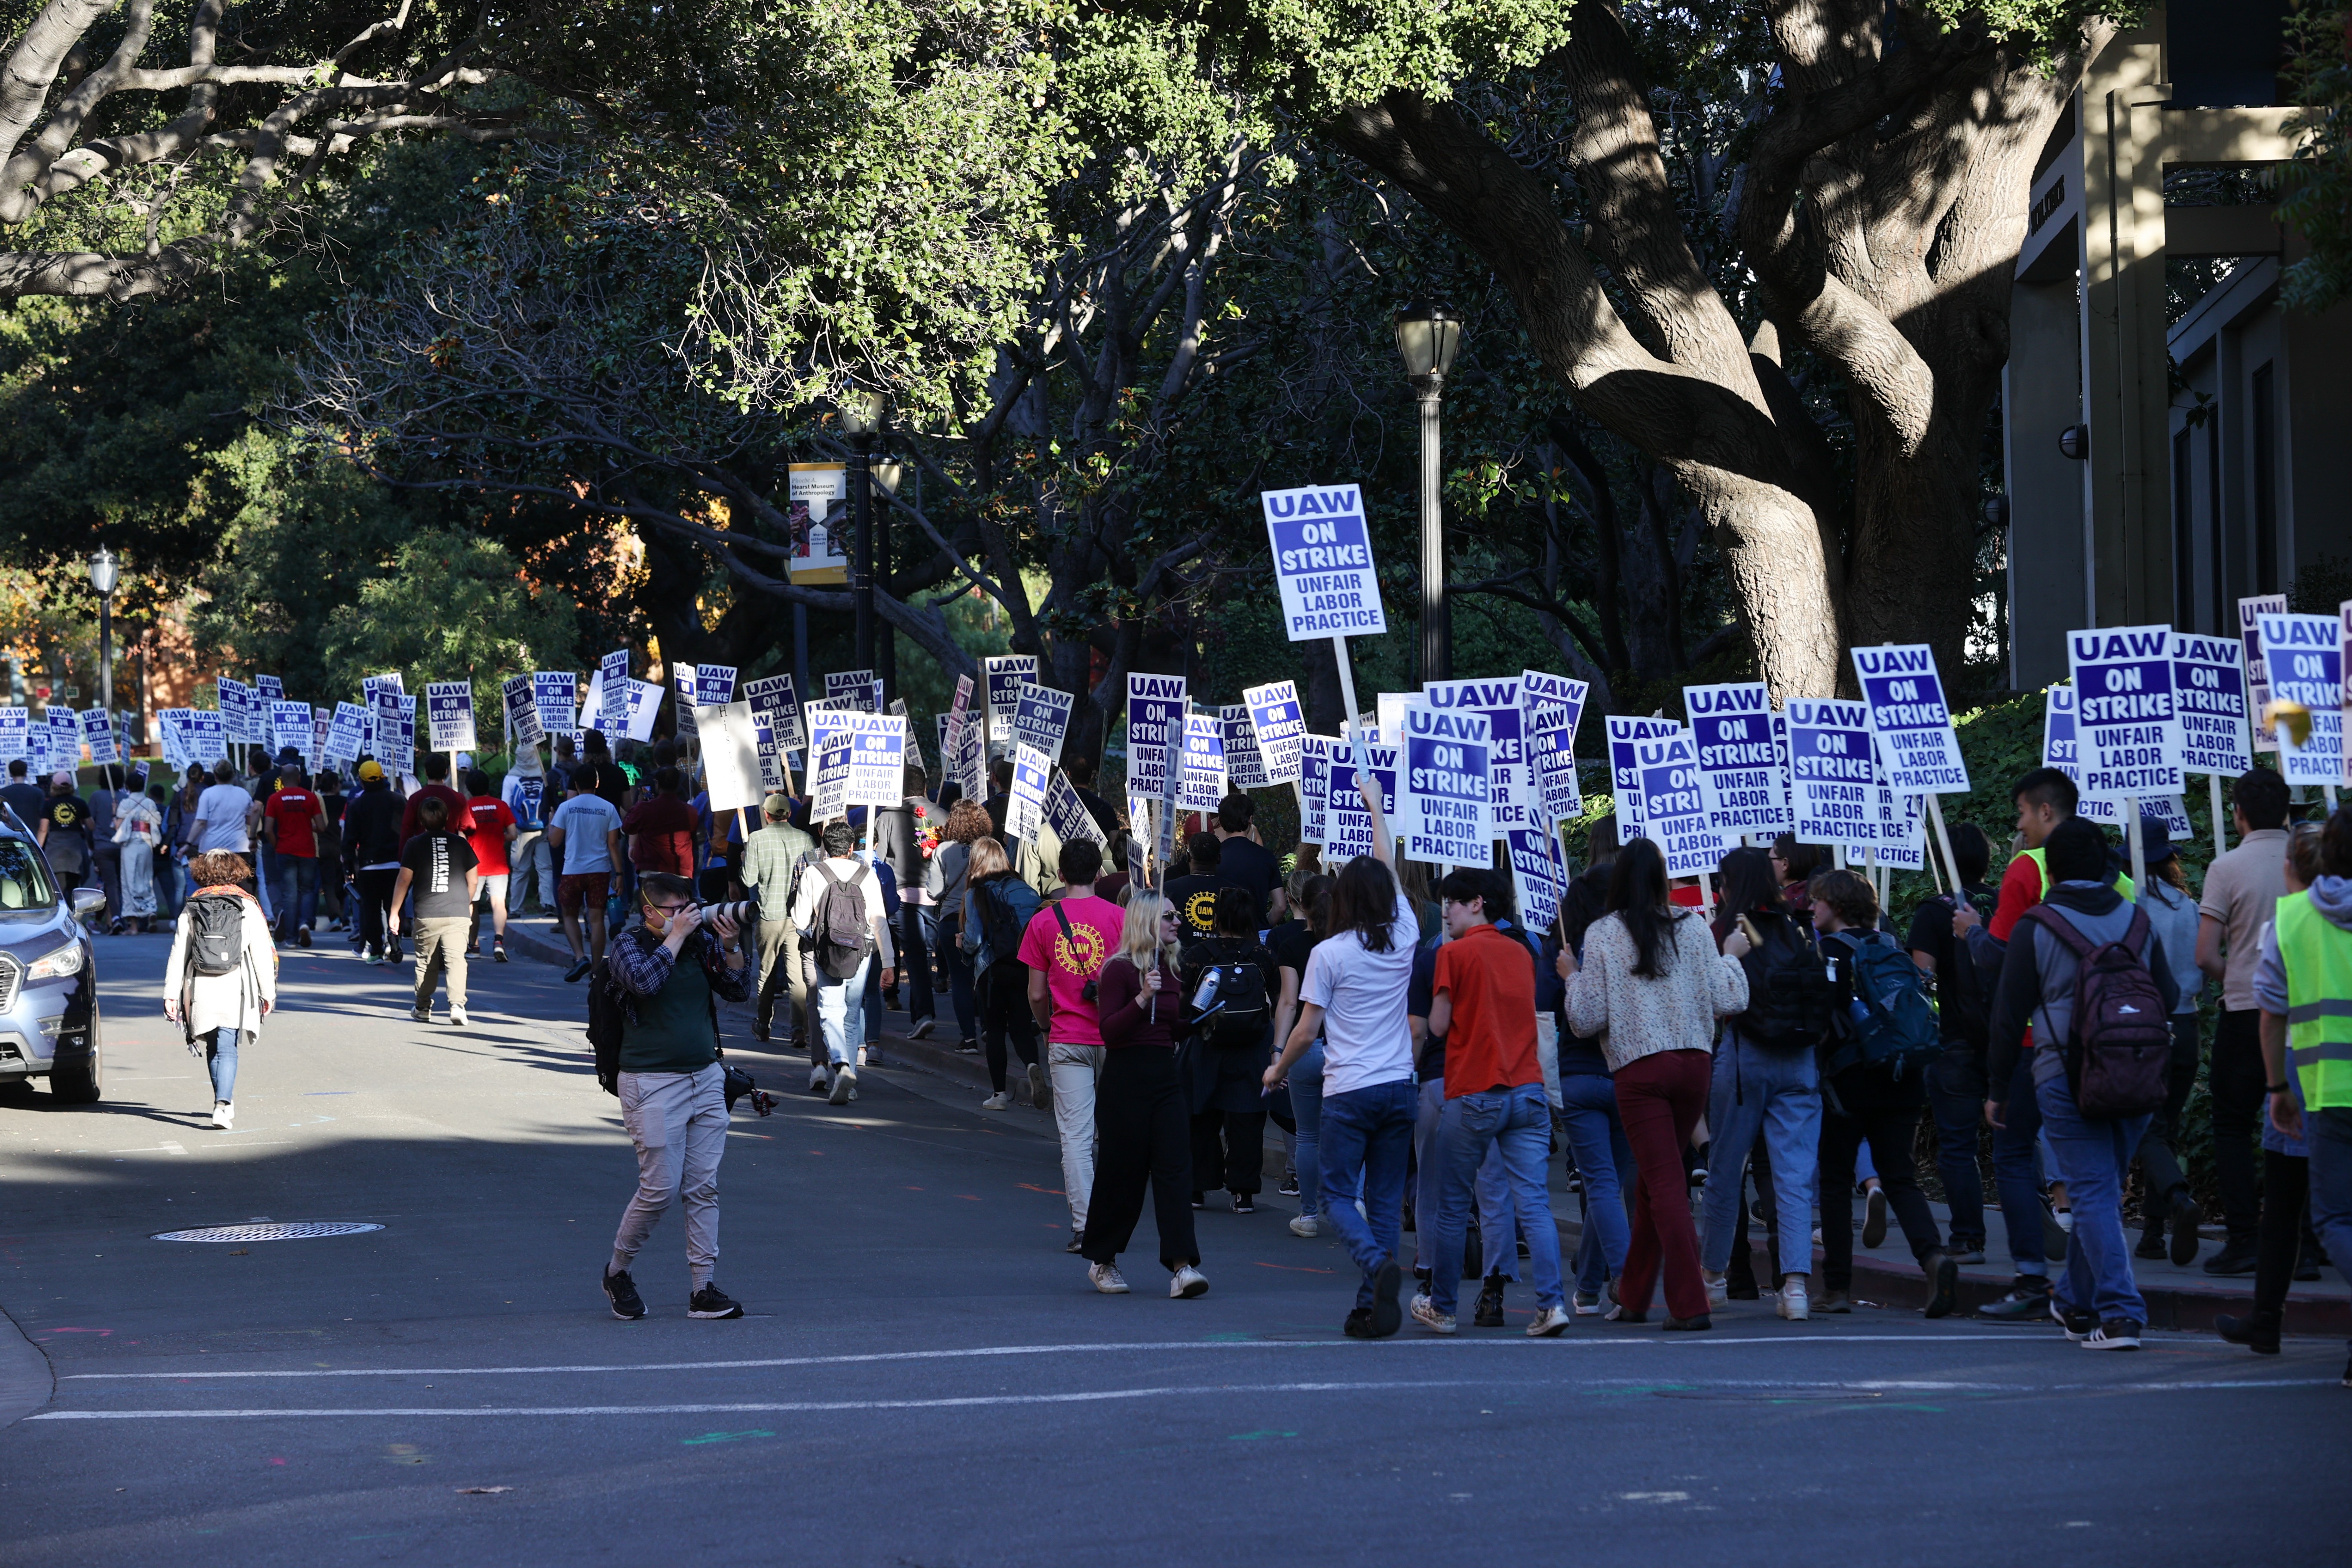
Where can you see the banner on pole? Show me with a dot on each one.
(2251, 611)
(1907, 710)
(1509, 786)
(1068, 814)
(1323, 562)
(2208, 691)
(1673, 805)
(1025, 808)
(1625, 735)
(1347, 826)
(449, 715)
(816, 512)
(1447, 818)
(1280, 725)
(1041, 717)
(521, 696)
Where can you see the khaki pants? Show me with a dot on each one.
(679, 1122)
(441, 946)
(782, 969)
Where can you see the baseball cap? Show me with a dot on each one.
(369, 771)
(777, 805)
(62, 777)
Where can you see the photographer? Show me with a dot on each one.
(672, 1089)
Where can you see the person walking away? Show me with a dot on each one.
(668, 976)
(1651, 985)
(1882, 1035)
(1064, 945)
(1308, 894)
(1955, 1081)
(895, 833)
(845, 930)
(661, 828)
(997, 908)
(1194, 894)
(1230, 1046)
(1141, 1127)
(2243, 887)
(870, 1055)
(436, 787)
(23, 796)
(221, 979)
(772, 858)
(290, 820)
(532, 888)
(371, 847)
(490, 831)
(1354, 997)
(1590, 1125)
(334, 903)
(2166, 1195)
(586, 834)
(949, 874)
(2071, 963)
(2286, 1160)
(1484, 1004)
(224, 814)
(63, 830)
(138, 839)
(1766, 1084)
(106, 855)
(1242, 862)
(438, 867)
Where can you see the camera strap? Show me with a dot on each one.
(1071, 937)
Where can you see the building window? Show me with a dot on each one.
(2264, 457)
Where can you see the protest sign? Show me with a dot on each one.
(2305, 659)
(2208, 691)
(290, 723)
(1024, 807)
(1203, 784)
(613, 694)
(449, 715)
(1550, 743)
(1447, 818)
(1245, 767)
(2258, 679)
(556, 694)
(1625, 735)
(346, 736)
(1908, 712)
(1540, 689)
(1323, 562)
(15, 733)
(207, 737)
(682, 681)
(1001, 678)
(2125, 731)
(1155, 730)
(730, 756)
(1315, 755)
(877, 759)
(520, 694)
(1068, 814)
(853, 688)
(1739, 763)
(97, 733)
(829, 778)
(1673, 805)
(1509, 787)
(2058, 751)
(1833, 780)
(775, 697)
(1537, 874)
(1279, 724)
(1347, 826)
(1041, 717)
(645, 705)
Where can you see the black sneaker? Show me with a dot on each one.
(621, 1292)
(1289, 1187)
(2151, 1244)
(2236, 1257)
(498, 951)
(2115, 1335)
(710, 1301)
(1944, 1273)
(2079, 1324)
(1077, 1242)
(1358, 1325)
(577, 971)
(1697, 1325)
(2027, 1301)
(1244, 1203)
(302, 937)
(2307, 1266)
(1387, 1315)
(1489, 1313)
(760, 1032)
(2258, 1330)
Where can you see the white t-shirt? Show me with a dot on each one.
(586, 819)
(222, 808)
(1366, 1039)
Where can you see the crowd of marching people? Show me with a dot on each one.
(1774, 1041)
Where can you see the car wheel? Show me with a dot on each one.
(76, 1083)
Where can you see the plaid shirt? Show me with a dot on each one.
(642, 963)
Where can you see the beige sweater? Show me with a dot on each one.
(1636, 1016)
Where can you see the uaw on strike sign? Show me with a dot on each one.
(2126, 733)
(1323, 559)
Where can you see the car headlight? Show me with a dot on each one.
(65, 961)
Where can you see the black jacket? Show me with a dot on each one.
(371, 826)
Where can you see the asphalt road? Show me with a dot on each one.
(924, 1377)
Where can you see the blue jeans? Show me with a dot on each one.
(2017, 1171)
(840, 1009)
(220, 1058)
(297, 884)
(1778, 1095)
(2093, 1159)
(1959, 1111)
(1367, 1139)
(1306, 1108)
(1516, 1124)
(957, 963)
(1604, 1162)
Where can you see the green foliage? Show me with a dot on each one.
(2318, 183)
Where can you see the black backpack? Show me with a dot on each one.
(1237, 1019)
(2119, 1056)
(216, 931)
(843, 936)
(1789, 993)
(605, 1020)
(997, 920)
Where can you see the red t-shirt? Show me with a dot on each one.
(2021, 889)
(291, 809)
(488, 820)
(1491, 1041)
(410, 828)
(1069, 965)
(661, 835)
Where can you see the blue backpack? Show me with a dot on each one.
(1891, 1024)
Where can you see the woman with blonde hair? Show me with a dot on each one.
(1142, 1124)
(996, 910)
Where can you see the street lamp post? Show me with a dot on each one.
(103, 568)
(861, 417)
(1427, 336)
(889, 473)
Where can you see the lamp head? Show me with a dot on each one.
(103, 569)
(861, 411)
(890, 473)
(1427, 336)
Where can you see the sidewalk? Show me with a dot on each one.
(2177, 1297)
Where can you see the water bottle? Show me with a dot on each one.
(1205, 996)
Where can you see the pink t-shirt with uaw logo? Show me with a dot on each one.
(1068, 963)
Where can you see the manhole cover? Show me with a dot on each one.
(301, 1230)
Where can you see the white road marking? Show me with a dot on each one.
(1520, 1346)
(834, 1407)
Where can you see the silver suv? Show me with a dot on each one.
(49, 974)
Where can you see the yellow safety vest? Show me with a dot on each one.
(2317, 954)
(2122, 884)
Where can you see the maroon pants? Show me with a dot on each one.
(1660, 1099)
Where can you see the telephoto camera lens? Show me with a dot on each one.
(744, 913)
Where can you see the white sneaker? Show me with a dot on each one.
(818, 1081)
(923, 1029)
(1796, 1302)
(1305, 1224)
(456, 1017)
(1718, 1289)
(1426, 1314)
(223, 1113)
(1106, 1278)
(844, 1085)
(1549, 1323)
(1187, 1284)
(997, 1103)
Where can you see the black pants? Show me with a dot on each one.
(1228, 1151)
(2286, 1188)
(1741, 1269)
(1004, 1009)
(2236, 1082)
(1890, 1134)
(375, 901)
(2158, 1166)
(914, 964)
(1140, 1132)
